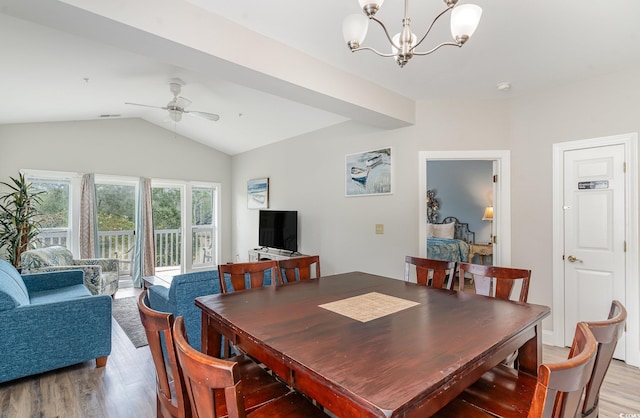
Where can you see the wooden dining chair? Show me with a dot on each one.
(237, 274)
(517, 388)
(607, 334)
(556, 393)
(299, 268)
(496, 281)
(442, 272)
(215, 386)
(172, 398)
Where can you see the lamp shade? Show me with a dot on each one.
(365, 3)
(488, 214)
(354, 29)
(370, 7)
(464, 20)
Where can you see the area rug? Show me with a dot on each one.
(125, 311)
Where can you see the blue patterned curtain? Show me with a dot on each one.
(144, 255)
(89, 245)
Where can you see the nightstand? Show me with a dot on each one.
(482, 250)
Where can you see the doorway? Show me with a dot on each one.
(595, 236)
(501, 197)
(168, 216)
(464, 190)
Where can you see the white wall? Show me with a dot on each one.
(128, 147)
(307, 175)
(602, 106)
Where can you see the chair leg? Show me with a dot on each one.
(101, 361)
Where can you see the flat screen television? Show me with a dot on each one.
(278, 229)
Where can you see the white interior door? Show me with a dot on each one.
(594, 235)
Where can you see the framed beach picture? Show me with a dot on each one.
(368, 173)
(258, 193)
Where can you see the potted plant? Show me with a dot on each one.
(19, 224)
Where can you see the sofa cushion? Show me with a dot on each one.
(60, 294)
(13, 292)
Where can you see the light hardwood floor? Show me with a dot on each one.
(125, 388)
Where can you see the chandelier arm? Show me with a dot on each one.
(386, 32)
(438, 47)
(431, 26)
(367, 48)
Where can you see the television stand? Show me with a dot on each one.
(259, 254)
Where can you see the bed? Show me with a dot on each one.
(441, 247)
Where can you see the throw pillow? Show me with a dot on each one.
(441, 230)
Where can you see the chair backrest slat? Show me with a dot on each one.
(496, 281)
(238, 272)
(301, 265)
(431, 273)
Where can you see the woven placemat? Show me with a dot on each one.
(369, 306)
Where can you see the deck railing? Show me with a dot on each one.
(120, 244)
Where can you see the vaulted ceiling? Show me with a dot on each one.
(278, 69)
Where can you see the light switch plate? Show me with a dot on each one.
(379, 228)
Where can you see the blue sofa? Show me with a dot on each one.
(48, 321)
(179, 298)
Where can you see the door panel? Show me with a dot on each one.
(594, 235)
(593, 212)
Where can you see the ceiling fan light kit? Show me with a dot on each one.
(176, 107)
(464, 21)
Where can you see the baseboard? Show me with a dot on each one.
(548, 337)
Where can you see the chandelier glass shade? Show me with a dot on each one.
(464, 21)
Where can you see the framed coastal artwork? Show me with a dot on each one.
(368, 173)
(258, 193)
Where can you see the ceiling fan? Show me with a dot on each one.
(177, 105)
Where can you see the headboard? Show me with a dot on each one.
(462, 231)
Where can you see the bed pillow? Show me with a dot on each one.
(441, 230)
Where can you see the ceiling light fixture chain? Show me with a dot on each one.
(464, 21)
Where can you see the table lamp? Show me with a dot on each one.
(488, 216)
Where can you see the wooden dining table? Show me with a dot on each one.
(363, 345)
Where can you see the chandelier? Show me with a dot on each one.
(464, 21)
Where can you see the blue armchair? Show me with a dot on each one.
(48, 321)
(100, 274)
(179, 298)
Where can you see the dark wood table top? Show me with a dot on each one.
(408, 363)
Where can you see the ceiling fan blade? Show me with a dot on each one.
(206, 115)
(144, 105)
(182, 102)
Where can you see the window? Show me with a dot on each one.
(178, 206)
(55, 209)
(116, 220)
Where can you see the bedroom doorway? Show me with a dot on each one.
(501, 223)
